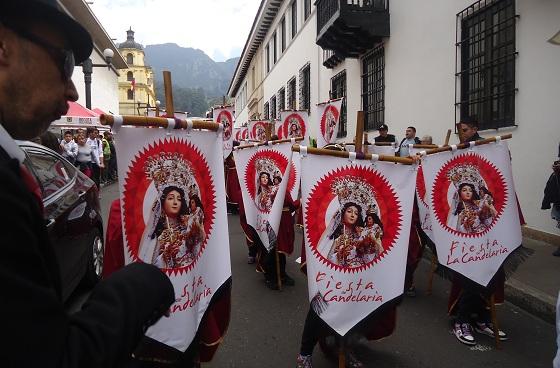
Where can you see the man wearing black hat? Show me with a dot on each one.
(39, 47)
(383, 136)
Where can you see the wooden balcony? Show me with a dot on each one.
(350, 27)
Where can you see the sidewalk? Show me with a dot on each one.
(535, 285)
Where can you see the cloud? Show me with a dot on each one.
(218, 27)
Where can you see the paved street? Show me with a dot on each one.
(266, 325)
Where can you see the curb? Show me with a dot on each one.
(531, 300)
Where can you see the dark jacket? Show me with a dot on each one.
(551, 192)
(388, 138)
(37, 330)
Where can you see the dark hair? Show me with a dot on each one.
(277, 177)
(68, 132)
(267, 176)
(274, 137)
(340, 228)
(162, 220)
(475, 196)
(196, 200)
(376, 219)
(413, 128)
(49, 140)
(89, 130)
(470, 121)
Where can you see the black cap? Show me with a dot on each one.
(49, 12)
(383, 127)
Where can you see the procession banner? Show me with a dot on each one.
(293, 124)
(278, 128)
(240, 134)
(329, 114)
(422, 198)
(225, 116)
(383, 150)
(264, 176)
(174, 216)
(357, 225)
(475, 221)
(257, 130)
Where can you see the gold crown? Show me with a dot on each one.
(170, 169)
(352, 189)
(465, 174)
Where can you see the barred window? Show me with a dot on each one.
(267, 58)
(266, 111)
(294, 18)
(292, 94)
(130, 94)
(274, 49)
(305, 87)
(338, 90)
(283, 34)
(373, 88)
(273, 107)
(281, 100)
(485, 65)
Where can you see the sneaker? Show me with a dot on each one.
(463, 333)
(288, 281)
(556, 253)
(304, 361)
(411, 291)
(487, 328)
(250, 260)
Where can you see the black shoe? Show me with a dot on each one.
(288, 281)
(556, 252)
(272, 285)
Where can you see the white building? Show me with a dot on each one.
(438, 61)
(105, 85)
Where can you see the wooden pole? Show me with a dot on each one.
(467, 145)
(447, 137)
(495, 322)
(341, 354)
(278, 141)
(150, 121)
(169, 107)
(359, 132)
(278, 275)
(346, 154)
(268, 130)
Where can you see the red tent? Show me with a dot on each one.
(78, 117)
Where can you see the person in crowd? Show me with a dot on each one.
(468, 130)
(427, 139)
(384, 135)
(39, 47)
(551, 198)
(113, 174)
(49, 140)
(84, 156)
(105, 177)
(69, 147)
(96, 155)
(410, 138)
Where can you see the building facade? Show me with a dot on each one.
(136, 82)
(104, 84)
(422, 63)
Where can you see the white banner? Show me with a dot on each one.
(264, 178)
(174, 216)
(293, 124)
(240, 134)
(329, 118)
(357, 226)
(225, 116)
(422, 198)
(257, 130)
(383, 150)
(475, 220)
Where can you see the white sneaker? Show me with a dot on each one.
(463, 333)
(304, 361)
(487, 328)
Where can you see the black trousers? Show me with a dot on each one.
(96, 175)
(270, 265)
(469, 303)
(313, 329)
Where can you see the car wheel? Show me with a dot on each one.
(95, 262)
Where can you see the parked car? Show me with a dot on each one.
(72, 216)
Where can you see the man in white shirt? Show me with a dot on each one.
(96, 156)
(69, 147)
(410, 138)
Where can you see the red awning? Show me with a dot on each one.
(98, 111)
(77, 110)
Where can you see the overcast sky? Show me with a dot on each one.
(218, 27)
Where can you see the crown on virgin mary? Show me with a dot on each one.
(465, 174)
(352, 189)
(169, 169)
(267, 165)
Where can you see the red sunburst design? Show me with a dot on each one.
(279, 132)
(493, 178)
(136, 183)
(281, 162)
(323, 125)
(227, 128)
(421, 186)
(255, 127)
(390, 211)
(286, 125)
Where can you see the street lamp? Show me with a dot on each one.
(87, 68)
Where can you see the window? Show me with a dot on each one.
(305, 87)
(274, 49)
(253, 79)
(129, 76)
(281, 100)
(306, 9)
(52, 173)
(338, 90)
(283, 34)
(129, 59)
(292, 94)
(373, 88)
(487, 63)
(267, 58)
(266, 111)
(294, 18)
(273, 107)
(130, 94)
